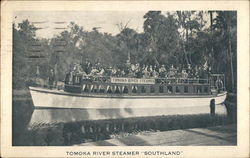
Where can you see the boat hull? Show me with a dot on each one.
(114, 106)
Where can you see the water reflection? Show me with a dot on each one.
(76, 115)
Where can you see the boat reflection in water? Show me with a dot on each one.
(74, 115)
(75, 126)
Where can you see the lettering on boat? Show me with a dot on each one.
(132, 80)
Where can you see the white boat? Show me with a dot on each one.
(111, 98)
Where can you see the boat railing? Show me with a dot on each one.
(111, 83)
(181, 80)
(107, 79)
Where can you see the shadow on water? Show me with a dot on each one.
(64, 127)
(22, 110)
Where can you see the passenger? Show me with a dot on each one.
(143, 67)
(87, 67)
(137, 66)
(184, 74)
(196, 72)
(77, 69)
(131, 73)
(172, 72)
(101, 72)
(145, 72)
(123, 73)
(150, 70)
(94, 71)
(51, 78)
(67, 76)
(128, 64)
(162, 71)
(98, 66)
(155, 74)
(109, 71)
(113, 72)
(138, 71)
(132, 67)
(156, 68)
(118, 73)
(219, 84)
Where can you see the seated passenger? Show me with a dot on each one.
(87, 67)
(150, 70)
(101, 72)
(162, 71)
(145, 73)
(131, 73)
(137, 71)
(123, 73)
(172, 72)
(156, 68)
(133, 67)
(155, 74)
(184, 74)
(113, 72)
(109, 71)
(94, 71)
(118, 73)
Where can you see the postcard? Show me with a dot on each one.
(125, 79)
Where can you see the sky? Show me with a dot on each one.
(53, 22)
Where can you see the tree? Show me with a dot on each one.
(163, 37)
(23, 40)
(225, 31)
(127, 41)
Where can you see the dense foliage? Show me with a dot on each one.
(178, 38)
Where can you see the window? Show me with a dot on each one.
(178, 90)
(117, 90)
(198, 89)
(134, 89)
(206, 89)
(185, 89)
(161, 89)
(170, 89)
(101, 91)
(143, 89)
(152, 89)
(125, 90)
(85, 88)
(94, 88)
(109, 90)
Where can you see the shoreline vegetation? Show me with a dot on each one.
(180, 39)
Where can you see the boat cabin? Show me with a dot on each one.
(144, 86)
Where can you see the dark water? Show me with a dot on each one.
(60, 127)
